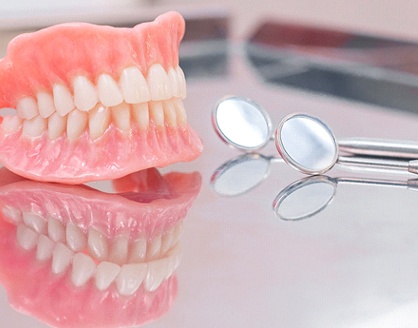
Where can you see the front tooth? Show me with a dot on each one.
(83, 269)
(99, 118)
(106, 273)
(121, 116)
(97, 244)
(157, 113)
(45, 248)
(77, 122)
(180, 111)
(140, 114)
(130, 278)
(45, 104)
(34, 127)
(75, 237)
(63, 100)
(85, 95)
(174, 81)
(158, 83)
(11, 124)
(182, 82)
(61, 258)
(26, 237)
(157, 271)
(134, 86)
(56, 126)
(27, 108)
(12, 214)
(153, 248)
(35, 222)
(170, 113)
(56, 231)
(109, 93)
(138, 251)
(119, 250)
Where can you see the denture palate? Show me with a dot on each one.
(129, 264)
(131, 99)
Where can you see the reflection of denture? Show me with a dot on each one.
(74, 256)
(95, 102)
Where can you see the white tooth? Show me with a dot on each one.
(119, 250)
(83, 269)
(178, 229)
(141, 115)
(56, 126)
(138, 251)
(27, 108)
(158, 82)
(182, 82)
(34, 127)
(26, 237)
(130, 278)
(157, 113)
(75, 237)
(11, 124)
(99, 119)
(134, 86)
(121, 116)
(109, 93)
(77, 122)
(63, 100)
(45, 104)
(180, 111)
(170, 113)
(12, 214)
(173, 257)
(85, 95)
(157, 271)
(45, 248)
(153, 248)
(56, 231)
(98, 246)
(35, 222)
(174, 81)
(106, 273)
(61, 258)
(167, 241)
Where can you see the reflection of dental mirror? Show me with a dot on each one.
(241, 123)
(241, 174)
(307, 197)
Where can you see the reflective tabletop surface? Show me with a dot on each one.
(348, 262)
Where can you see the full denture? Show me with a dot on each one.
(95, 102)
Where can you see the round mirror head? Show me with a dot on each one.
(304, 198)
(306, 143)
(240, 175)
(241, 123)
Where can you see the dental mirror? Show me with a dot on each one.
(240, 175)
(242, 123)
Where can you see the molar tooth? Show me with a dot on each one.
(119, 250)
(158, 82)
(109, 93)
(170, 113)
(138, 251)
(63, 100)
(99, 119)
(106, 273)
(35, 222)
(83, 269)
(26, 237)
(75, 237)
(157, 113)
(27, 108)
(97, 244)
(180, 111)
(85, 95)
(45, 104)
(11, 124)
(153, 248)
(141, 115)
(121, 116)
(130, 278)
(45, 248)
(61, 258)
(77, 122)
(182, 82)
(134, 86)
(157, 271)
(12, 214)
(56, 126)
(34, 127)
(56, 231)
